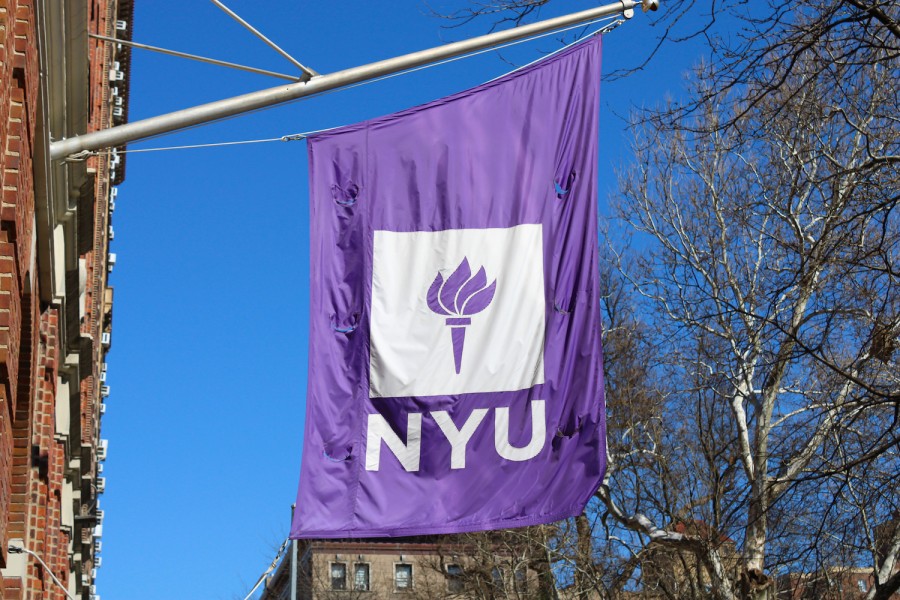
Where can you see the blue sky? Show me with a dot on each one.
(208, 362)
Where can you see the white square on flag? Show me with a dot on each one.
(413, 352)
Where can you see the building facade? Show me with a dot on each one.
(425, 567)
(58, 80)
(837, 583)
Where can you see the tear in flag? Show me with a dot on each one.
(455, 369)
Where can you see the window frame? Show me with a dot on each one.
(520, 579)
(410, 586)
(455, 579)
(331, 565)
(368, 566)
(498, 578)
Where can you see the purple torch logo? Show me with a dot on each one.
(461, 296)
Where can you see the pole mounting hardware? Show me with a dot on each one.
(213, 111)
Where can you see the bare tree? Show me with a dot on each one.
(767, 208)
(753, 393)
(495, 565)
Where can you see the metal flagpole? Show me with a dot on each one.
(293, 569)
(212, 61)
(205, 113)
(309, 72)
(293, 560)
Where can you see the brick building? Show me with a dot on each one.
(425, 567)
(838, 583)
(55, 304)
(667, 572)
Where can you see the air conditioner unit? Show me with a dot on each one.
(112, 234)
(113, 192)
(121, 25)
(99, 468)
(106, 338)
(116, 66)
(119, 101)
(102, 408)
(85, 580)
(114, 90)
(98, 531)
(115, 75)
(102, 449)
(118, 111)
(99, 518)
(94, 572)
(104, 389)
(101, 485)
(98, 546)
(94, 590)
(112, 206)
(102, 376)
(98, 561)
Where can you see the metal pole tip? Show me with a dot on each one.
(647, 5)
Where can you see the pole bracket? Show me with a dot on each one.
(318, 84)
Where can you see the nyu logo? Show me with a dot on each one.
(409, 453)
(423, 283)
(462, 296)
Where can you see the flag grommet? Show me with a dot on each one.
(345, 196)
(346, 327)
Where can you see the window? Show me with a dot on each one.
(403, 577)
(361, 577)
(455, 581)
(862, 585)
(338, 576)
(497, 578)
(520, 579)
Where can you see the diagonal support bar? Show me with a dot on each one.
(202, 59)
(309, 72)
(205, 113)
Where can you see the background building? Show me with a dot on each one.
(838, 583)
(425, 567)
(55, 304)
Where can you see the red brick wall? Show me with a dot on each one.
(32, 459)
(32, 463)
(18, 105)
(43, 516)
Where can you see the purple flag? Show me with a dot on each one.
(455, 369)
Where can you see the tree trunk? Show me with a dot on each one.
(584, 559)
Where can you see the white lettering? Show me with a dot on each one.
(538, 433)
(407, 454)
(458, 438)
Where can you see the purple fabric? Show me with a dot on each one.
(520, 150)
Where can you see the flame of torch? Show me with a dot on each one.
(459, 297)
